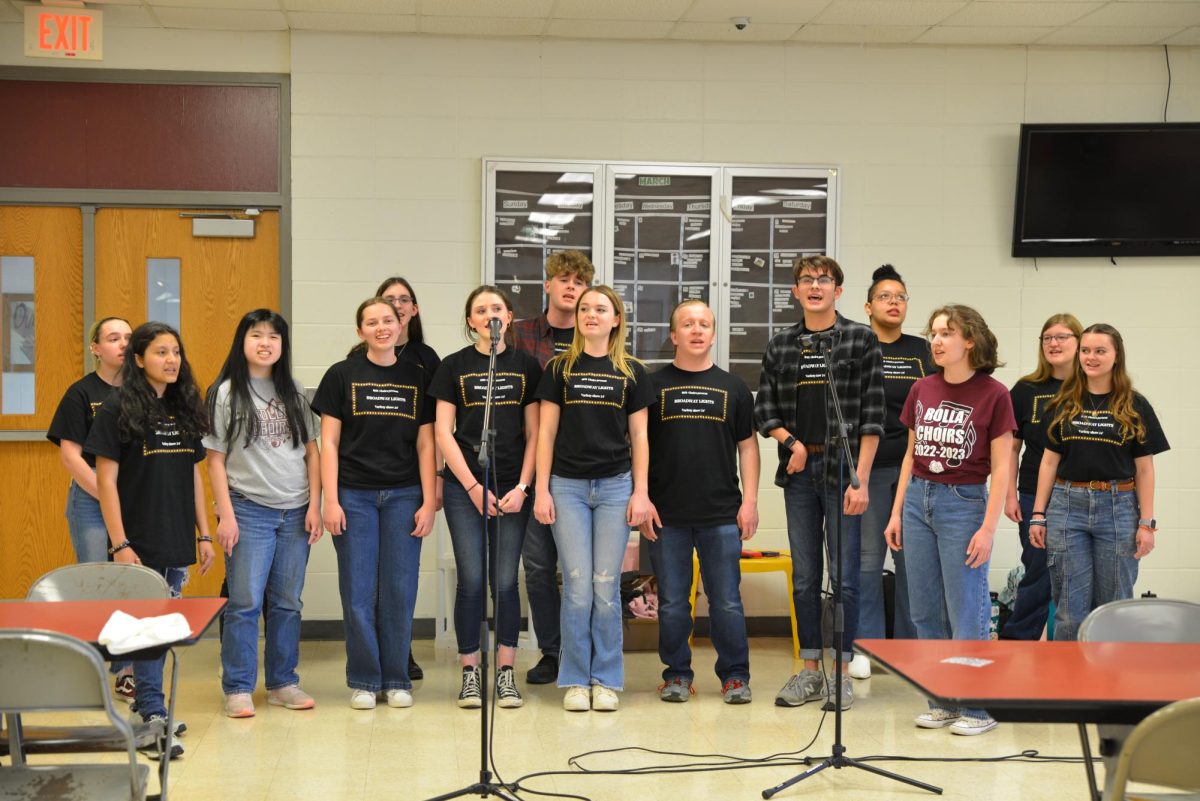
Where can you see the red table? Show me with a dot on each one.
(85, 619)
(1048, 682)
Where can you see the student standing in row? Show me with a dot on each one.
(69, 430)
(961, 425)
(1031, 395)
(905, 361)
(701, 429)
(568, 274)
(1094, 511)
(795, 409)
(460, 388)
(592, 459)
(377, 479)
(266, 481)
(146, 441)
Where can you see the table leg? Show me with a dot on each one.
(164, 762)
(1088, 764)
(16, 748)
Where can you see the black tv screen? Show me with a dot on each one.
(1108, 190)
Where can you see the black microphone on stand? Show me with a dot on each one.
(821, 339)
(494, 329)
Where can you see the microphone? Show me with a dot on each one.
(494, 328)
(821, 339)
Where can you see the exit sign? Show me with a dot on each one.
(58, 32)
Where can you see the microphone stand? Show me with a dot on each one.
(838, 759)
(485, 786)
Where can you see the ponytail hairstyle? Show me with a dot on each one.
(242, 416)
(412, 328)
(984, 356)
(483, 289)
(883, 273)
(1044, 371)
(564, 362)
(140, 407)
(1068, 403)
(97, 328)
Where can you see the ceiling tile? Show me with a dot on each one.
(129, 17)
(221, 19)
(608, 29)
(859, 34)
(485, 8)
(1145, 15)
(623, 10)
(1081, 35)
(351, 6)
(983, 35)
(888, 12)
(254, 5)
(482, 26)
(353, 23)
(1191, 36)
(1024, 14)
(726, 32)
(781, 11)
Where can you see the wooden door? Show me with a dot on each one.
(219, 281)
(33, 484)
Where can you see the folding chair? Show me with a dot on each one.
(1161, 750)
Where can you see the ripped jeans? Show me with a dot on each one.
(591, 534)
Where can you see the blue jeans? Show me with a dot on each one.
(1091, 536)
(269, 559)
(720, 549)
(148, 674)
(1033, 593)
(540, 557)
(871, 612)
(591, 534)
(379, 562)
(948, 600)
(812, 509)
(85, 524)
(505, 535)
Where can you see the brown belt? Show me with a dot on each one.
(814, 448)
(1103, 486)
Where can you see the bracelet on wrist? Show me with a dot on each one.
(472, 487)
(1038, 523)
(204, 538)
(121, 547)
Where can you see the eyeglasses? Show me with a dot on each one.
(823, 281)
(400, 300)
(1057, 339)
(888, 297)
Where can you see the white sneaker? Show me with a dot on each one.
(936, 719)
(604, 699)
(362, 699)
(860, 667)
(577, 699)
(970, 726)
(399, 699)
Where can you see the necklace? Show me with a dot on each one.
(1093, 408)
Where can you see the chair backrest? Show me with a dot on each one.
(45, 670)
(1161, 750)
(92, 581)
(1142, 620)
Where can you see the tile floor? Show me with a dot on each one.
(333, 753)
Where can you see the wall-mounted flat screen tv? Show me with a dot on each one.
(1108, 190)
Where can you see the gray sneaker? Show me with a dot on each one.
(847, 695)
(675, 690)
(735, 691)
(807, 685)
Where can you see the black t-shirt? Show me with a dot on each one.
(381, 410)
(811, 384)
(593, 429)
(155, 485)
(694, 431)
(905, 362)
(462, 380)
(422, 355)
(1029, 402)
(562, 338)
(76, 411)
(1092, 445)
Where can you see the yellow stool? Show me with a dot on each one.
(765, 564)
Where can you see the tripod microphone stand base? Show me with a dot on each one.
(483, 788)
(838, 761)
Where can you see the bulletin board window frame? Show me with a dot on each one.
(726, 284)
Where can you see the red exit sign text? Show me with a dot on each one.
(55, 32)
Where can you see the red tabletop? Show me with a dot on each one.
(1075, 682)
(85, 619)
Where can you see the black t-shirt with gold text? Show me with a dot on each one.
(76, 411)
(905, 362)
(1030, 402)
(1093, 446)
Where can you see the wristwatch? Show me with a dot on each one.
(789, 442)
(1151, 524)
(524, 488)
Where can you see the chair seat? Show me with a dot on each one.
(763, 564)
(71, 783)
(73, 739)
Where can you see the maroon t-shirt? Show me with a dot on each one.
(955, 426)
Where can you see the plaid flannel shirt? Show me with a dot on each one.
(857, 374)
(534, 336)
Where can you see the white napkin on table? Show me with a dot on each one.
(124, 633)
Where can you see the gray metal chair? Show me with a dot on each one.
(91, 581)
(1161, 750)
(43, 671)
(1134, 620)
